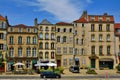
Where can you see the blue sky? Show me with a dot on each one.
(24, 11)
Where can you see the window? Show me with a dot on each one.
(35, 30)
(11, 29)
(34, 40)
(41, 28)
(47, 29)
(19, 40)
(41, 45)
(20, 66)
(76, 51)
(53, 29)
(82, 51)
(64, 50)
(58, 38)
(108, 37)
(82, 25)
(64, 30)
(1, 35)
(41, 55)
(107, 27)
(100, 18)
(82, 41)
(46, 35)
(64, 39)
(107, 18)
(34, 52)
(70, 61)
(19, 52)
(108, 50)
(58, 30)
(92, 27)
(83, 33)
(64, 62)
(100, 37)
(28, 40)
(28, 29)
(46, 45)
(93, 50)
(77, 40)
(70, 39)
(1, 46)
(100, 27)
(52, 45)
(28, 64)
(46, 55)
(52, 36)
(71, 50)
(92, 18)
(20, 29)
(70, 30)
(58, 50)
(28, 52)
(41, 36)
(100, 50)
(11, 52)
(92, 37)
(52, 55)
(11, 39)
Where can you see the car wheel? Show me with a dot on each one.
(44, 76)
(57, 76)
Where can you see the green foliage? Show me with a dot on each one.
(118, 67)
(42, 70)
(49, 69)
(61, 69)
(90, 71)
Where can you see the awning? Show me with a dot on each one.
(34, 61)
(106, 59)
(11, 62)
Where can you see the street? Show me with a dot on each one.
(31, 77)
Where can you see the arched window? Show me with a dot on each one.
(28, 40)
(28, 52)
(19, 40)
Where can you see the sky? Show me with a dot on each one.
(25, 11)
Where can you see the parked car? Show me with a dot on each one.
(49, 74)
(74, 69)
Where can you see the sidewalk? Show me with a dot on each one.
(67, 73)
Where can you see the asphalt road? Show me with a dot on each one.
(24, 77)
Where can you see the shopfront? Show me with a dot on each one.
(106, 63)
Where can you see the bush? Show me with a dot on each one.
(91, 71)
(42, 70)
(61, 69)
(118, 67)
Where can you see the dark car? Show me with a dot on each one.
(74, 69)
(49, 74)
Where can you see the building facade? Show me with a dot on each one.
(22, 46)
(64, 44)
(3, 44)
(46, 42)
(91, 41)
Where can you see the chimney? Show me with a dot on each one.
(35, 21)
(84, 14)
(7, 23)
(105, 14)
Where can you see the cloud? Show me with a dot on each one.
(62, 10)
(89, 1)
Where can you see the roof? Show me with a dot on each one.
(81, 20)
(104, 18)
(63, 23)
(23, 26)
(45, 21)
(2, 18)
(117, 25)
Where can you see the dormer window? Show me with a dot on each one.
(11, 29)
(46, 29)
(92, 18)
(107, 18)
(20, 29)
(100, 18)
(28, 29)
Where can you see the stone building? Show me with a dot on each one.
(64, 44)
(22, 46)
(46, 42)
